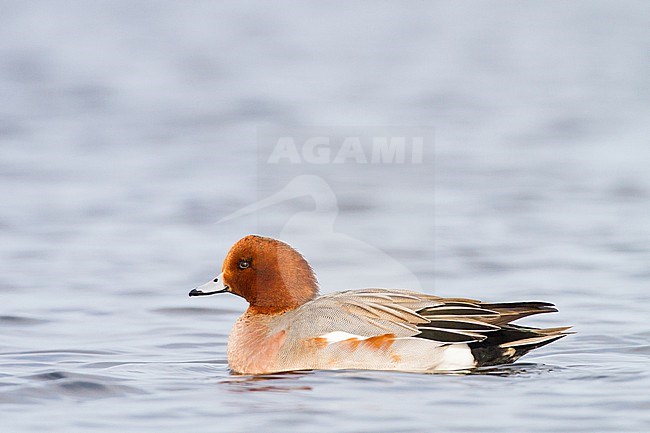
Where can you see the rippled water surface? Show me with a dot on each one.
(129, 129)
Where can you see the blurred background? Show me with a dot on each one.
(129, 129)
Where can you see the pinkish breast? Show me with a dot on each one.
(252, 349)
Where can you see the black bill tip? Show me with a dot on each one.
(197, 292)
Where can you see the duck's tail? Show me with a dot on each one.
(512, 342)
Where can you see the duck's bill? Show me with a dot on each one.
(212, 288)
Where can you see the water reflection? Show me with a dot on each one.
(518, 369)
(267, 383)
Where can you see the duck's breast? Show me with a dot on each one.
(253, 347)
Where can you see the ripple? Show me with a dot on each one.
(20, 321)
(54, 375)
(63, 352)
(84, 386)
(644, 349)
(56, 384)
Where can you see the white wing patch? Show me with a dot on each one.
(336, 336)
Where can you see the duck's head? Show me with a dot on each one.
(271, 275)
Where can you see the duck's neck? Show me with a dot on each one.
(254, 310)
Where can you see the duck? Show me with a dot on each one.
(289, 326)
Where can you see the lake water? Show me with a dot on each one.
(128, 130)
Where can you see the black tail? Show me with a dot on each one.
(512, 342)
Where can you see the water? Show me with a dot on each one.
(128, 129)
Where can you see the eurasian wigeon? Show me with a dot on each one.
(288, 326)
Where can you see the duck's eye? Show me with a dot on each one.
(244, 264)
